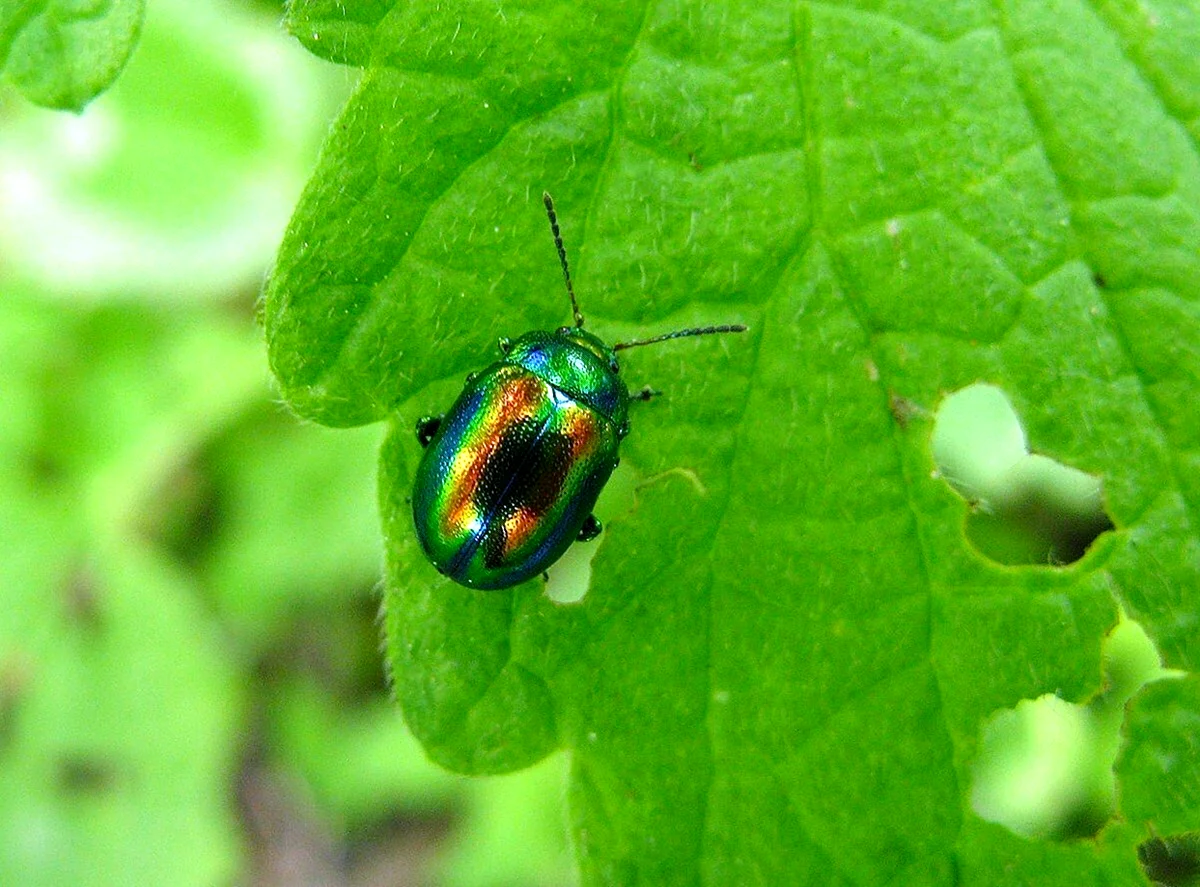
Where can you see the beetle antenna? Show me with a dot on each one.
(679, 334)
(562, 255)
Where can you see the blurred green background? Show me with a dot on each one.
(191, 689)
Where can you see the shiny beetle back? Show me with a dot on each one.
(510, 477)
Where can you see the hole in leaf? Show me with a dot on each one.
(1038, 773)
(1045, 767)
(1173, 861)
(571, 575)
(1026, 508)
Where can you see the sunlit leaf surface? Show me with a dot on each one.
(781, 669)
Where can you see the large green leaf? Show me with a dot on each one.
(788, 649)
(64, 53)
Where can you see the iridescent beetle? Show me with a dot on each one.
(510, 475)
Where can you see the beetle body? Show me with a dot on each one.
(510, 478)
(511, 473)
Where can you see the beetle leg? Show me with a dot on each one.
(646, 393)
(590, 530)
(504, 344)
(427, 427)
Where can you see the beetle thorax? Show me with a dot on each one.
(578, 364)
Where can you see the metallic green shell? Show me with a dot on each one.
(517, 464)
(577, 363)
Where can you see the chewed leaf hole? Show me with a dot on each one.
(1039, 772)
(571, 576)
(1024, 508)
(1045, 767)
(1173, 861)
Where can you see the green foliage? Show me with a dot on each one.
(107, 735)
(782, 666)
(176, 185)
(190, 627)
(174, 601)
(63, 53)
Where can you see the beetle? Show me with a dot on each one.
(510, 474)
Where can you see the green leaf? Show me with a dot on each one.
(789, 648)
(1155, 768)
(335, 30)
(64, 53)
